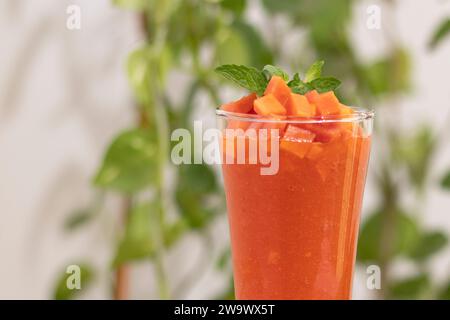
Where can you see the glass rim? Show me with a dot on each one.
(359, 114)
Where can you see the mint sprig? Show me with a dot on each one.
(325, 84)
(270, 71)
(247, 77)
(313, 80)
(256, 80)
(315, 71)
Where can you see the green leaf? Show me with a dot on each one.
(62, 292)
(132, 4)
(415, 152)
(428, 244)
(286, 6)
(131, 162)
(298, 86)
(445, 182)
(140, 73)
(242, 44)
(270, 71)
(196, 183)
(174, 231)
(257, 49)
(144, 66)
(78, 219)
(247, 77)
(405, 236)
(325, 84)
(315, 71)
(302, 88)
(391, 74)
(233, 49)
(410, 288)
(138, 240)
(442, 31)
(295, 81)
(236, 6)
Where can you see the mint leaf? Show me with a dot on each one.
(298, 86)
(247, 77)
(325, 84)
(302, 88)
(295, 81)
(315, 71)
(270, 71)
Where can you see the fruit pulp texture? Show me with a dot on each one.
(294, 234)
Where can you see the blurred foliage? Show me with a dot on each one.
(62, 292)
(138, 239)
(441, 32)
(193, 37)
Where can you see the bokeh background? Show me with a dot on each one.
(80, 109)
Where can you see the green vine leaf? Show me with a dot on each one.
(445, 183)
(196, 184)
(235, 6)
(405, 238)
(138, 241)
(410, 288)
(131, 162)
(62, 292)
(428, 244)
(442, 31)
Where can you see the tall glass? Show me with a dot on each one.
(294, 228)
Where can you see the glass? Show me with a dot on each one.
(294, 230)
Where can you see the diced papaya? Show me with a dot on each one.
(268, 105)
(243, 105)
(324, 132)
(327, 160)
(312, 96)
(278, 87)
(280, 126)
(315, 151)
(300, 149)
(299, 106)
(327, 104)
(236, 124)
(297, 141)
(294, 133)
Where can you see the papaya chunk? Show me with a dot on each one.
(268, 105)
(312, 96)
(327, 104)
(300, 106)
(236, 124)
(324, 132)
(297, 141)
(243, 105)
(278, 87)
(294, 133)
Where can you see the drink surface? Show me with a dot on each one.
(294, 233)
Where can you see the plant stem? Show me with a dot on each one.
(122, 271)
(161, 123)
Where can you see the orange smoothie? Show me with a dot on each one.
(294, 233)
